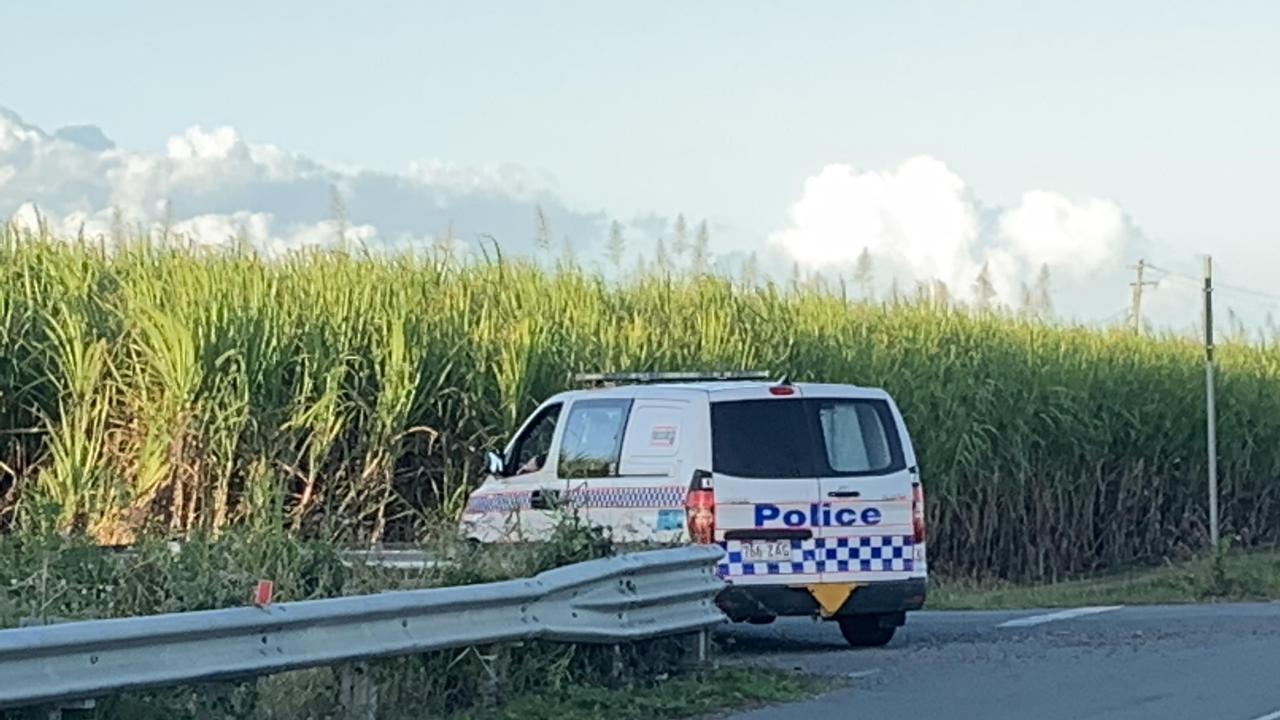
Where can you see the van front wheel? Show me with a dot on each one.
(865, 631)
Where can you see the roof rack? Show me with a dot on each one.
(640, 378)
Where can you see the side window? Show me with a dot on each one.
(593, 438)
(529, 452)
(857, 435)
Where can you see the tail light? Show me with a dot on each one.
(700, 508)
(917, 512)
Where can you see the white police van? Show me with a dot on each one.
(811, 489)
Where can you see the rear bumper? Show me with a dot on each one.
(750, 602)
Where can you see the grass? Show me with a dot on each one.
(711, 692)
(1229, 577)
(159, 391)
(309, 695)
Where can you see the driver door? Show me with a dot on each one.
(530, 477)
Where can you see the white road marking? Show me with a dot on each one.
(1269, 716)
(1061, 615)
(862, 673)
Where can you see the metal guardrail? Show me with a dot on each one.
(392, 559)
(407, 557)
(628, 597)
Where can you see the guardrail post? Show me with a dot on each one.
(695, 649)
(357, 692)
(617, 668)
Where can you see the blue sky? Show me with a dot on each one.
(720, 110)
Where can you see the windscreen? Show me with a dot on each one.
(804, 438)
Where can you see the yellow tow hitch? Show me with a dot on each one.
(831, 596)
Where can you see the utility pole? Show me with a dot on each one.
(1210, 410)
(1137, 285)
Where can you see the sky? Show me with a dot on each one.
(939, 136)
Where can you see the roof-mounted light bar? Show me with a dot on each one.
(641, 378)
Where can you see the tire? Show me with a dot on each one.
(865, 631)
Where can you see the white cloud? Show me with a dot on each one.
(918, 215)
(213, 184)
(1078, 237)
(920, 221)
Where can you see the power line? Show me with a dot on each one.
(1248, 291)
(1240, 296)
(1256, 297)
(1216, 285)
(1174, 273)
(1121, 314)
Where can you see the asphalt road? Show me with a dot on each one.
(1201, 662)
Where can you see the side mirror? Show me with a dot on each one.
(495, 464)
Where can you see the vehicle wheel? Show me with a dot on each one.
(865, 631)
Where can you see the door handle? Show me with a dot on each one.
(844, 494)
(544, 499)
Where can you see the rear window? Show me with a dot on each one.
(804, 438)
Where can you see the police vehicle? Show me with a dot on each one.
(811, 489)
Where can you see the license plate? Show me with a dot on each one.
(766, 551)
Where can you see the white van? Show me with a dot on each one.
(811, 489)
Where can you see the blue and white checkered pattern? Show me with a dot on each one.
(498, 502)
(670, 496)
(885, 553)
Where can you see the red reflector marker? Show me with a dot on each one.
(781, 390)
(262, 597)
(917, 513)
(700, 512)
